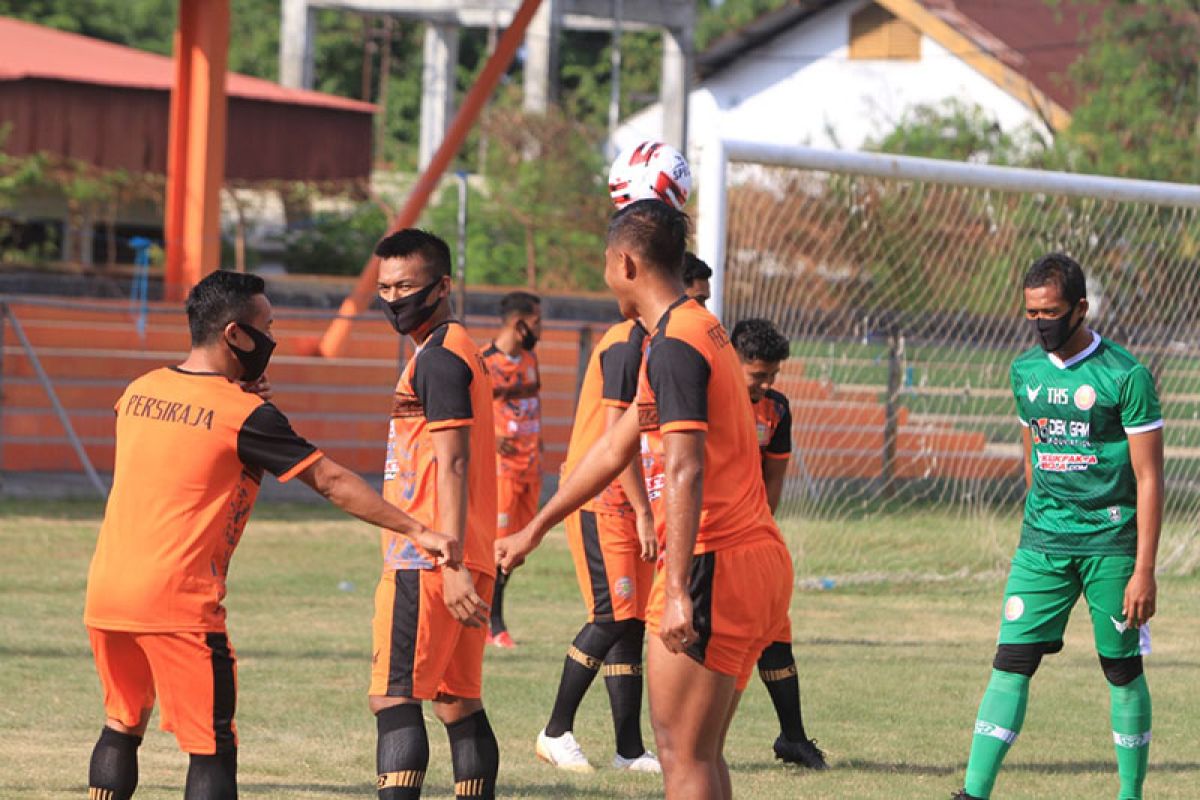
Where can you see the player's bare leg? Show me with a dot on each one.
(690, 708)
(726, 781)
(474, 751)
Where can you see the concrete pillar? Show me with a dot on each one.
(677, 66)
(437, 88)
(541, 57)
(297, 32)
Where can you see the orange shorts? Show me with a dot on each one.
(516, 503)
(740, 599)
(420, 650)
(613, 579)
(193, 674)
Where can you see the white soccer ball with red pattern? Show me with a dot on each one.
(650, 170)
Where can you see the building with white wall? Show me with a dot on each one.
(837, 73)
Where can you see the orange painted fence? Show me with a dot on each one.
(91, 351)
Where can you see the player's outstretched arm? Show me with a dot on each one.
(349, 492)
(683, 488)
(633, 482)
(610, 454)
(452, 448)
(1146, 458)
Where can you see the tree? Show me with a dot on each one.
(1139, 116)
(959, 131)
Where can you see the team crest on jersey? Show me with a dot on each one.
(624, 588)
(1085, 397)
(1014, 607)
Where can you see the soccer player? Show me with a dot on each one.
(429, 627)
(516, 383)
(192, 448)
(613, 543)
(1093, 447)
(696, 275)
(722, 594)
(762, 350)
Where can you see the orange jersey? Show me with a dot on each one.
(610, 381)
(773, 423)
(191, 452)
(444, 385)
(691, 374)
(518, 416)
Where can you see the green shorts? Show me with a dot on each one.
(1042, 590)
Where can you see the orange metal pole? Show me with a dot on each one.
(358, 301)
(196, 148)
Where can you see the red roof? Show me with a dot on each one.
(1038, 41)
(34, 51)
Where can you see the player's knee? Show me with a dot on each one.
(1121, 671)
(1021, 659)
(777, 655)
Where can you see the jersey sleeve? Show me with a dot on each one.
(266, 441)
(442, 382)
(780, 445)
(678, 376)
(1140, 409)
(619, 366)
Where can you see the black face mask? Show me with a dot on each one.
(409, 313)
(254, 362)
(529, 339)
(1053, 334)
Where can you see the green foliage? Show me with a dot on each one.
(716, 20)
(959, 131)
(1140, 84)
(335, 243)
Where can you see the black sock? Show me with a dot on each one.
(583, 661)
(623, 679)
(212, 777)
(475, 755)
(113, 772)
(777, 668)
(401, 752)
(497, 623)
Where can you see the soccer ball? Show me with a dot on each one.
(650, 170)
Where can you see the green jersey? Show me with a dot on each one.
(1080, 414)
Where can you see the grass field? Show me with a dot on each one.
(891, 675)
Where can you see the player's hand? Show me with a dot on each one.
(676, 629)
(647, 538)
(512, 550)
(260, 387)
(505, 446)
(446, 548)
(1141, 598)
(463, 602)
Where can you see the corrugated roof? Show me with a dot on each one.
(35, 51)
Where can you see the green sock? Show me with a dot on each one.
(1001, 714)
(1131, 734)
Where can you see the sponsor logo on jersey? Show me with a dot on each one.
(1014, 607)
(1065, 462)
(764, 434)
(1085, 397)
(1114, 513)
(1033, 392)
(624, 587)
(1057, 396)
(1061, 432)
(1121, 625)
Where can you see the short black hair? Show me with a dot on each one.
(694, 269)
(518, 302)
(414, 241)
(657, 231)
(759, 340)
(1062, 271)
(220, 298)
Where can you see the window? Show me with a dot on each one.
(878, 34)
